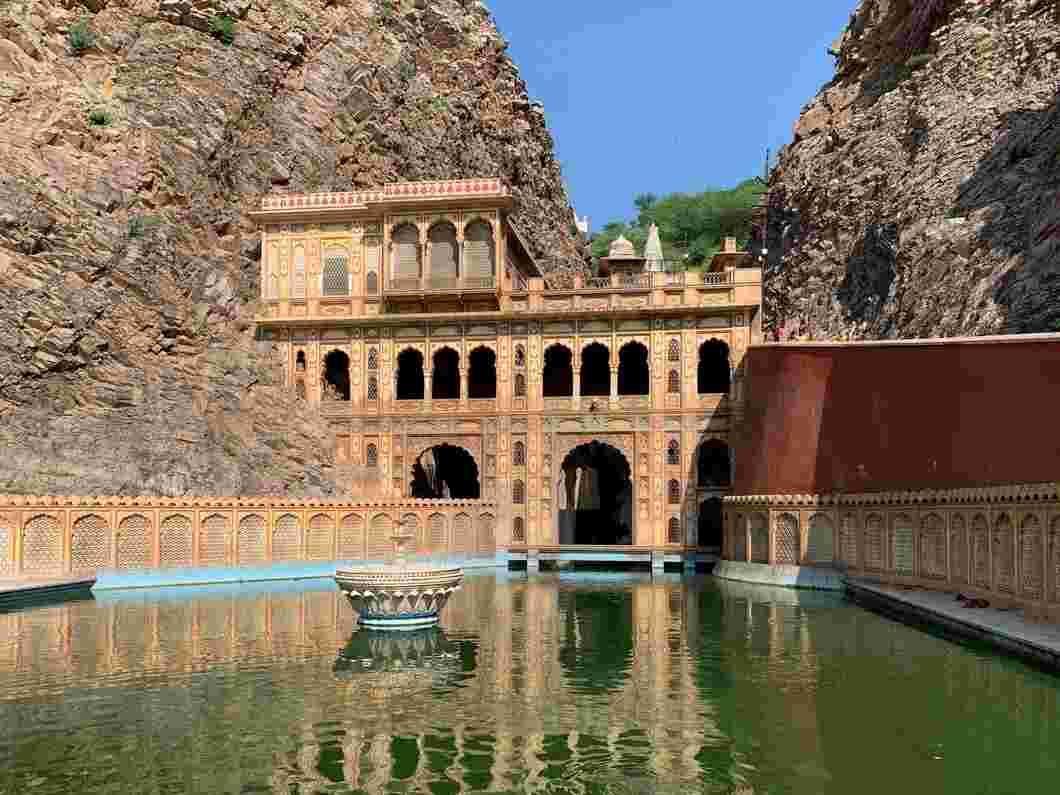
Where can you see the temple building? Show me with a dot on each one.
(590, 410)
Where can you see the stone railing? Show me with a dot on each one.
(1000, 542)
(440, 284)
(53, 536)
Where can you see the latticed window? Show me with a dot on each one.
(518, 530)
(518, 492)
(371, 456)
(372, 282)
(520, 385)
(298, 276)
(674, 354)
(336, 272)
(673, 453)
(674, 492)
(673, 384)
(373, 358)
(519, 454)
(373, 388)
(520, 356)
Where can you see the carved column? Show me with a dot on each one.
(614, 383)
(428, 386)
(463, 387)
(577, 384)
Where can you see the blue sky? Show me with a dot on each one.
(656, 96)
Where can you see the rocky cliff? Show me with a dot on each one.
(134, 135)
(920, 195)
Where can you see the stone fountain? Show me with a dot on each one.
(399, 595)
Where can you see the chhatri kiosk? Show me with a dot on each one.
(594, 413)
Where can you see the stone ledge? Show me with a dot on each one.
(1024, 492)
(812, 577)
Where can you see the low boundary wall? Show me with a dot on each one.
(1001, 543)
(128, 541)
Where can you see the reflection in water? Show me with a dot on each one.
(572, 684)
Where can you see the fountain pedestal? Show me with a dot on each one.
(399, 595)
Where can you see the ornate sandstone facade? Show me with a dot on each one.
(449, 366)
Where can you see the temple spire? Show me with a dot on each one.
(653, 250)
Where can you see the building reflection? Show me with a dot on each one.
(528, 681)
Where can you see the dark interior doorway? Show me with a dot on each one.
(410, 375)
(557, 379)
(714, 467)
(713, 374)
(336, 376)
(596, 371)
(710, 523)
(445, 379)
(482, 374)
(633, 376)
(596, 496)
(445, 472)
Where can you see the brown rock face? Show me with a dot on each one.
(128, 271)
(920, 195)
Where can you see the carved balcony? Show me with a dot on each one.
(440, 285)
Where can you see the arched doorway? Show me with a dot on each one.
(633, 376)
(596, 371)
(445, 471)
(445, 378)
(709, 529)
(482, 374)
(557, 378)
(595, 496)
(410, 375)
(336, 376)
(713, 375)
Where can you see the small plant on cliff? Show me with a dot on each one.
(80, 37)
(100, 117)
(140, 225)
(407, 70)
(223, 28)
(918, 60)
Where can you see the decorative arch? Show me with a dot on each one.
(788, 543)
(958, 549)
(759, 531)
(673, 492)
(713, 373)
(595, 370)
(298, 274)
(410, 525)
(410, 374)
(597, 508)
(486, 536)
(463, 540)
(673, 353)
(371, 282)
(1004, 556)
(405, 254)
(445, 471)
(980, 551)
(443, 254)
(380, 543)
(820, 542)
(479, 250)
(351, 537)
(445, 375)
(673, 383)
(42, 545)
(557, 376)
(320, 537)
(520, 385)
(90, 544)
(673, 453)
(902, 545)
(250, 539)
(373, 358)
(336, 376)
(287, 538)
(482, 373)
(518, 492)
(634, 376)
(518, 530)
(213, 540)
(848, 540)
(519, 356)
(673, 531)
(134, 547)
(175, 543)
(933, 547)
(1031, 557)
(875, 558)
(518, 453)
(336, 273)
(436, 539)
(739, 539)
(371, 456)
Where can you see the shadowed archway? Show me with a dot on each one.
(336, 376)
(595, 492)
(709, 529)
(557, 378)
(445, 471)
(596, 371)
(410, 375)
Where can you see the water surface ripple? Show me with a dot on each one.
(572, 684)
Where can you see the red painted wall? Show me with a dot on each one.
(948, 414)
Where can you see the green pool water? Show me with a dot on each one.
(581, 683)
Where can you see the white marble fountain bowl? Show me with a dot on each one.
(397, 596)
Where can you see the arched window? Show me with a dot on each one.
(674, 492)
(482, 374)
(373, 358)
(372, 282)
(633, 369)
(519, 454)
(478, 252)
(518, 492)
(673, 453)
(445, 379)
(299, 362)
(336, 279)
(406, 254)
(298, 277)
(371, 456)
(336, 376)
(518, 530)
(557, 377)
(443, 254)
(596, 371)
(714, 467)
(713, 371)
(410, 375)
(520, 356)
(674, 353)
(673, 383)
(373, 388)
(520, 385)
